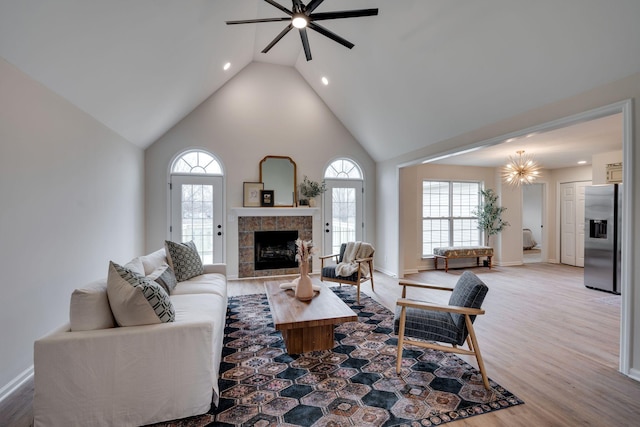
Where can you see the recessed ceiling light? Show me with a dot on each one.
(582, 162)
(325, 81)
(227, 66)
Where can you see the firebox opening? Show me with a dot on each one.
(275, 249)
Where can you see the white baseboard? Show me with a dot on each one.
(387, 272)
(510, 263)
(411, 271)
(634, 374)
(15, 383)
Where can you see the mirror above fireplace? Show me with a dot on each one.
(278, 173)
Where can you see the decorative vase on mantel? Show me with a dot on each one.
(312, 202)
(304, 287)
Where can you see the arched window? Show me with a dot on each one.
(343, 169)
(196, 161)
(343, 204)
(196, 199)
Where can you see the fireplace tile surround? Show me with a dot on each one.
(250, 221)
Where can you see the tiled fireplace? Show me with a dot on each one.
(247, 228)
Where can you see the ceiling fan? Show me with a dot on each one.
(301, 17)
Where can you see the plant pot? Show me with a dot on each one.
(312, 203)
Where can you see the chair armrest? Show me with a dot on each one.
(361, 260)
(328, 256)
(405, 283)
(403, 302)
(424, 285)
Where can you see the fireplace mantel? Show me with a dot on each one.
(305, 211)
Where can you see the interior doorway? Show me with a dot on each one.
(532, 223)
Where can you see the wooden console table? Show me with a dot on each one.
(307, 326)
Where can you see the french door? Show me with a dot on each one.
(343, 213)
(197, 214)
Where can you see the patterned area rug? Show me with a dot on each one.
(355, 384)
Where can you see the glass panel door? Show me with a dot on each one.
(196, 214)
(343, 213)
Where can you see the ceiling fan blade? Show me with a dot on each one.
(343, 14)
(279, 6)
(312, 6)
(298, 6)
(253, 21)
(305, 43)
(277, 39)
(331, 35)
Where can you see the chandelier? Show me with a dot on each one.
(520, 170)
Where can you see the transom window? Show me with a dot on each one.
(447, 218)
(343, 168)
(197, 162)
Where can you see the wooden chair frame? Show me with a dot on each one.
(359, 280)
(472, 341)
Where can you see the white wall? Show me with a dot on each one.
(390, 240)
(264, 110)
(70, 200)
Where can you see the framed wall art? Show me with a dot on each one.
(266, 197)
(251, 194)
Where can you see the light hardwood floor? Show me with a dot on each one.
(545, 337)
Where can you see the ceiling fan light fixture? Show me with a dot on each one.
(299, 20)
(520, 170)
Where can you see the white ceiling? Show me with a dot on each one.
(422, 71)
(555, 149)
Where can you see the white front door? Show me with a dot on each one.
(343, 219)
(196, 214)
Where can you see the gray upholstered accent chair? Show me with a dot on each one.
(328, 270)
(450, 324)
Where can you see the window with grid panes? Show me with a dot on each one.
(447, 218)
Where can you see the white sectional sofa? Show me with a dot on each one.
(96, 373)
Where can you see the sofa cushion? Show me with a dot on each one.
(184, 259)
(89, 308)
(165, 277)
(136, 300)
(153, 260)
(208, 283)
(136, 266)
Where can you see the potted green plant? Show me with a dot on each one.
(310, 190)
(489, 215)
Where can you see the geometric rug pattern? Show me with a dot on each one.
(355, 384)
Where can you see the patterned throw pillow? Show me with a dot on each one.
(136, 300)
(165, 277)
(184, 260)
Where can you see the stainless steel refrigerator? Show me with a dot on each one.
(603, 235)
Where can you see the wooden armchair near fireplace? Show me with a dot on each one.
(352, 266)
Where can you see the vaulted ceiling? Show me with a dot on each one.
(422, 71)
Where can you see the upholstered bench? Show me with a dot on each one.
(451, 252)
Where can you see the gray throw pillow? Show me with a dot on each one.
(184, 260)
(165, 277)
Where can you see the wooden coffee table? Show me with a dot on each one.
(307, 326)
